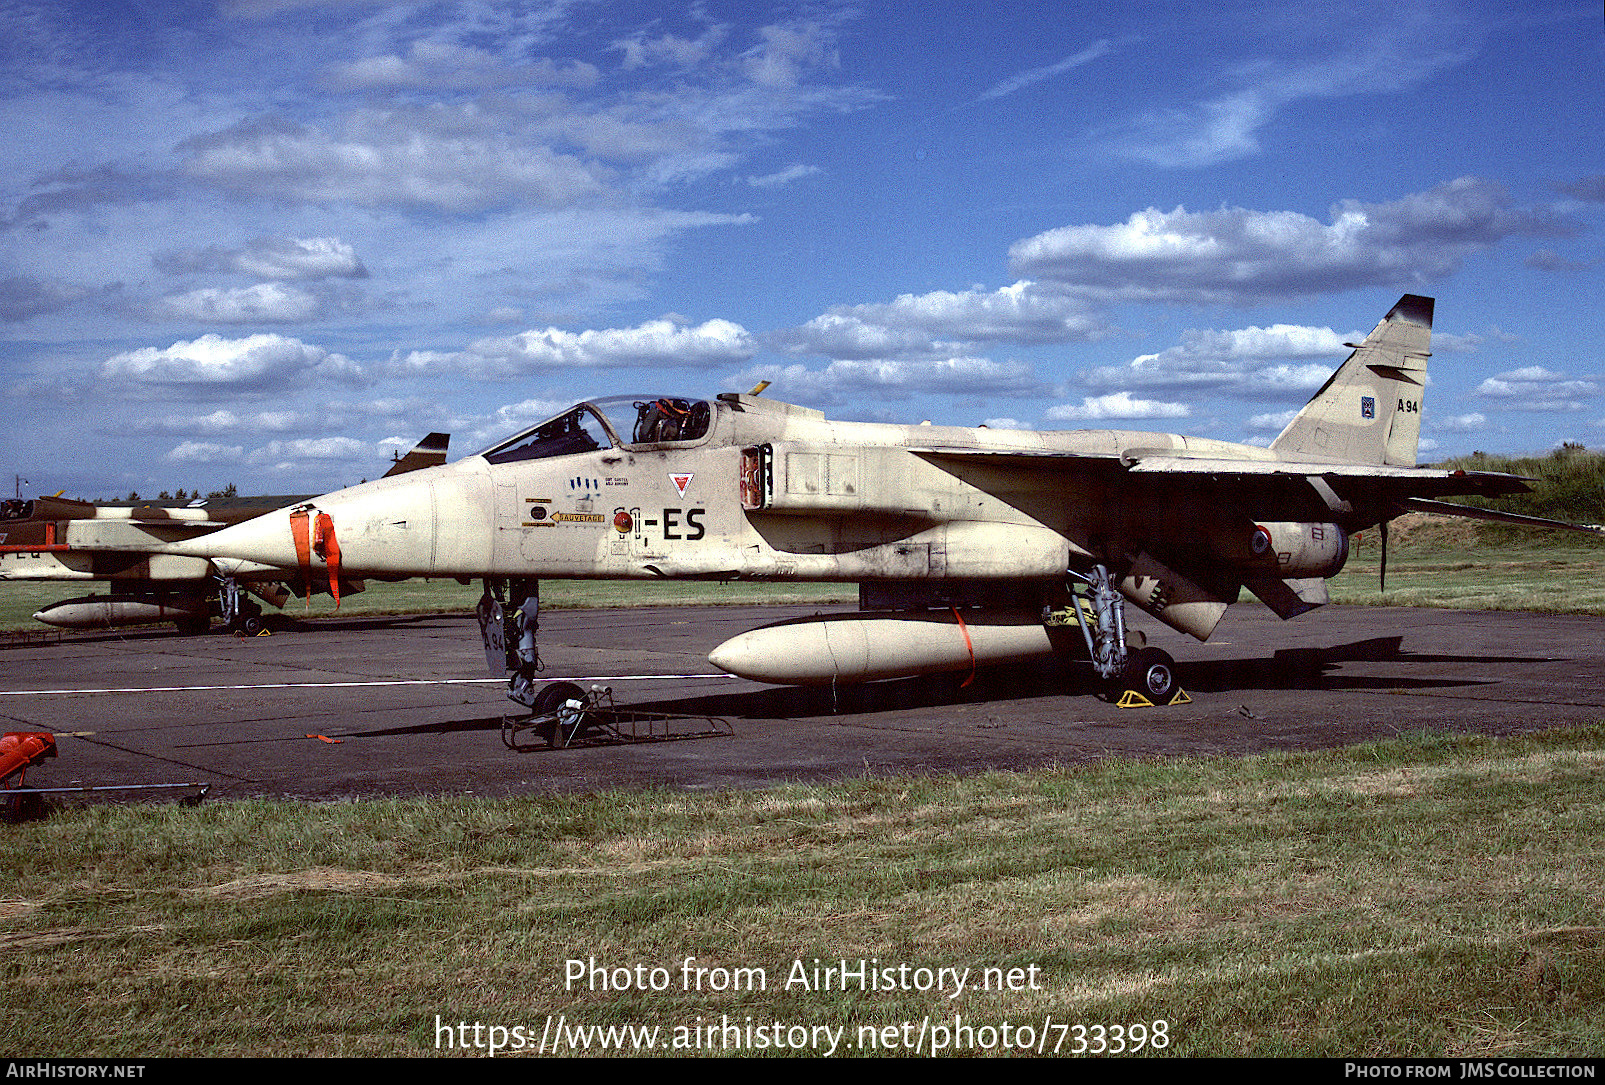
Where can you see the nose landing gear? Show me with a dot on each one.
(509, 624)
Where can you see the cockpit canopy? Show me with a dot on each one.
(604, 423)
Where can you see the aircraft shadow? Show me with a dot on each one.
(439, 727)
(1313, 669)
(273, 623)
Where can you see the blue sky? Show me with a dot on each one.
(268, 241)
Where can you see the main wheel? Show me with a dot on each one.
(1152, 673)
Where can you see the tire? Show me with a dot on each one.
(549, 702)
(1152, 673)
(554, 695)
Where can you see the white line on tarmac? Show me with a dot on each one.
(341, 685)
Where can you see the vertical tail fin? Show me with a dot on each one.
(1370, 409)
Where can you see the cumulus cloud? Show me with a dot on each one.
(462, 122)
(1115, 405)
(1459, 423)
(789, 50)
(206, 452)
(944, 322)
(72, 189)
(1254, 362)
(663, 342)
(252, 362)
(1274, 422)
(896, 378)
(509, 419)
(444, 65)
(227, 421)
(311, 448)
(264, 303)
(1239, 257)
(680, 51)
(1535, 388)
(279, 258)
(385, 160)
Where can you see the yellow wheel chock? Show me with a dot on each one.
(1132, 699)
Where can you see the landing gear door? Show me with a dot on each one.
(491, 629)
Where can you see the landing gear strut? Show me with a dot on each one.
(1100, 611)
(240, 615)
(509, 623)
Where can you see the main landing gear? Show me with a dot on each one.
(240, 614)
(1100, 610)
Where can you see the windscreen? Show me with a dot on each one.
(576, 430)
(597, 424)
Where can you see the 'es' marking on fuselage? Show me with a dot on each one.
(681, 480)
(693, 521)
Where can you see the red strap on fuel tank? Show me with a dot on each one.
(957, 617)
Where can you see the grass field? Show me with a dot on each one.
(1429, 896)
(1435, 562)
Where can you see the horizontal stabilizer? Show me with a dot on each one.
(1449, 508)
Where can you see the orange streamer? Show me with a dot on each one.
(328, 548)
(957, 617)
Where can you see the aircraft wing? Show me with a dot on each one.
(1362, 483)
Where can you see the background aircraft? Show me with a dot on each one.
(969, 545)
(55, 538)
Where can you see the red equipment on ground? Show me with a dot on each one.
(21, 749)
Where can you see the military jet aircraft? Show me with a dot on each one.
(970, 546)
(54, 538)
